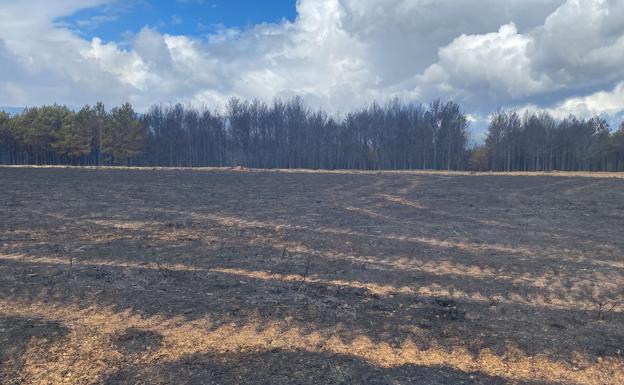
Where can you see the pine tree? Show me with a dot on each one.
(6, 139)
(74, 139)
(616, 149)
(125, 137)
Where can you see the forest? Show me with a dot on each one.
(290, 134)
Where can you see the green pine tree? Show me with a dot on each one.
(125, 136)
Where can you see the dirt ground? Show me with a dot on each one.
(249, 277)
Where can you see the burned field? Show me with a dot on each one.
(243, 277)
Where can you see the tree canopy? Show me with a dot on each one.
(290, 134)
(538, 142)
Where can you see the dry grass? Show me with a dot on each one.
(128, 276)
(89, 352)
(585, 174)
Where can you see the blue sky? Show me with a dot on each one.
(112, 22)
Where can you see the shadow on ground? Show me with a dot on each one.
(22, 339)
(280, 367)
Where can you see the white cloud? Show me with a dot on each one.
(127, 68)
(487, 66)
(337, 54)
(602, 102)
(582, 42)
(607, 104)
(95, 21)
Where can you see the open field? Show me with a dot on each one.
(240, 277)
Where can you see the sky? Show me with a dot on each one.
(113, 21)
(564, 56)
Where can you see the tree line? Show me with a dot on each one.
(290, 134)
(52, 135)
(535, 141)
(284, 134)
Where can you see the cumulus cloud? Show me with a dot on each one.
(337, 54)
(607, 104)
(487, 66)
(581, 43)
(602, 102)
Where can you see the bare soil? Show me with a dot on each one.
(250, 277)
